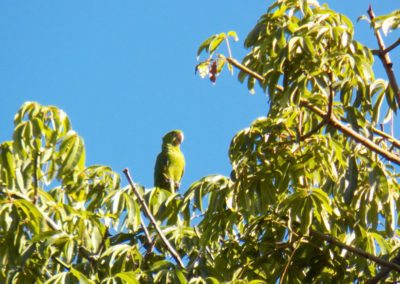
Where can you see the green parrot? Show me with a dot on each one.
(170, 163)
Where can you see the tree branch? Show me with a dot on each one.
(173, 252)
(288, 263)
(336, 242)
(384, 56)
(243, 68)
(387, 49)
(332, 120)
(353, 134)
(384, 273)
(388, 137)
(150, 242)
(387, 264)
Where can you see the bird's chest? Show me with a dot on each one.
(175, 164)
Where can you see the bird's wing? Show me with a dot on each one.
(160, 171)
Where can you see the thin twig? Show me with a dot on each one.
(288, 263)
(243, 68)
(384, 273)
(384, 56)
(331, 95)
(387, 49)
(173, 252)
(391, 139)
(353, 134)
(313, 131)
(330, 239)
(355, 250)
(150, 242)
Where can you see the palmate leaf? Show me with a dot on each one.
(72, 154)
(31, 214)
(200, 189)
(305, 204)
(71, 277)
(324, 181)
(7, 164)
(388, 22)
(128, 276)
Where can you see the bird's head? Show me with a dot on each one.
(174, 137)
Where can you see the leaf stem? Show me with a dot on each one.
(35, 177)
(228, 47)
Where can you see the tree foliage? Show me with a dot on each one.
(313, 196)
(316, 162)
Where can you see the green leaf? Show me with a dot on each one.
(212, 280)
(216, 42)
(205, 45)
(377, 108)
(181, 277)
(80, 276)
(69, 250)
(33, 216)
(160, 265)
(391, 99)
(233, 35)
(128, 276)
(72, 152)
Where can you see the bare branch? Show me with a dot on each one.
(150, 242)
(386, 50)
(173, 252)
(240, 66)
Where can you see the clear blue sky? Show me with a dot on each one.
(124, 73)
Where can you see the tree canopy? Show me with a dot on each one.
(313, 195)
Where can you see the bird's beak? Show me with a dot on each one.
(180, 138)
